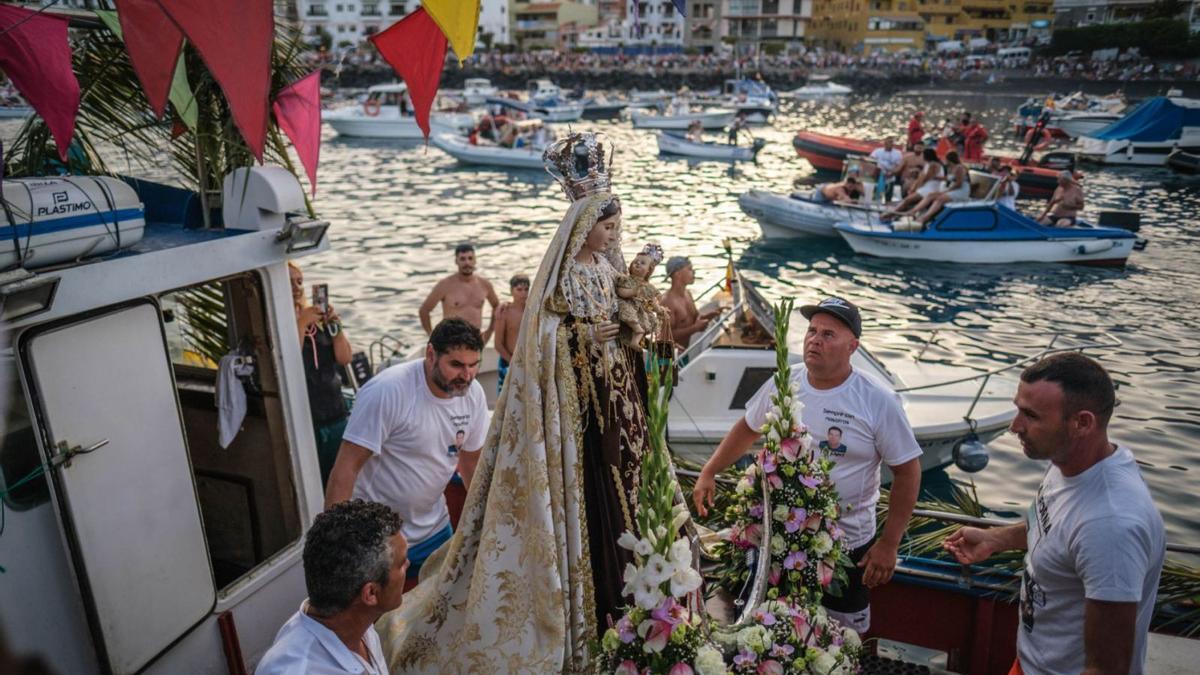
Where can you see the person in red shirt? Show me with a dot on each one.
(974, 136)
(916, 132)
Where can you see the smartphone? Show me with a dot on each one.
(320, 297)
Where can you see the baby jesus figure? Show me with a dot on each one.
(638, 310)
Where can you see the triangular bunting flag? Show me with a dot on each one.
(681, 5)
(416, 48)
(153, 41)
(35, 55)
(459, 20)
(234, 37)
(298, 112)
(181, 94)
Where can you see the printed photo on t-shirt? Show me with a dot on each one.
(459, 438)
(832, 445)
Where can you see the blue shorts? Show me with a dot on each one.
(418, 553)
(501, 373)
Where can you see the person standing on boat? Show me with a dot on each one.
(915, 131)
(1007, 188)
(324, 349)
(401, 445)
(1066, 203)
(888, 159)
(872, 430)
(355, 559)
(686, 320)
(1093, 538)
(461, 295)
(974, 136)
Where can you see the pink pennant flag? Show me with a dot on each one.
(298, 112)
(153, 41)
(416, 49)
(234, 37)
(35, 55)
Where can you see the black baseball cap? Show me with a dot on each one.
(842, 309)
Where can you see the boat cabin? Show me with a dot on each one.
(157, 462)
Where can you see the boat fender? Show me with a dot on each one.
(1098, 246)
(971, 455)
(371, 107)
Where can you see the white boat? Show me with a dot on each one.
(1148, 134)
(549, 110)
(752, 98)
(717, 118)
(672, 144)
(56, 220)
(458, 147)
(727, 364)
(650, 98)
(387, 113)
(797, 215)
(476, 90)
(1081, 123)
(819, 86)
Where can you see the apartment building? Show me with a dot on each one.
(1076, 13)
(703, 27)
(898, 25)
(350, 22)
(757, 23)
(550, 25)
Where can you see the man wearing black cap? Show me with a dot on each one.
(873, 430)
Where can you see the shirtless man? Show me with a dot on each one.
(462, 295)
(1065, 205)
(910, 168)
(686, 320)
(846, 191)
(508, 324)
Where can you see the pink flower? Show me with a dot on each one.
(813, 523)
(681, 669)
(835, 532)
(774, 481)
(625, 630)
(627, 667)
(773, 577)
(753, 534)
(796, 560)
(744, 658)
(670, 612)
(800, 623)
(756, 511)
(770, 667)
(790, 449)
(826, 574)
(782, 650)
(768, 463)
(810, 482)
(764, 617)
(795, 519)
(655, 633)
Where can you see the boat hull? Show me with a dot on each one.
(1135, 153)
(1184, 162)
(1077, 126)
(1110, 252)
(671, 144)
(784, 217)
(516, 158)
(709, 120)
(356, 124)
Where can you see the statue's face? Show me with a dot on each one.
(640, 267)
(602, 234)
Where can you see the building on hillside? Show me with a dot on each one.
(898, 25)
(349, 22)
(1078, 13)
(535, 25)
(493, 20)
(703, 28)
(766, 24)
(643, 24)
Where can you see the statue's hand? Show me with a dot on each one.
(603, 332)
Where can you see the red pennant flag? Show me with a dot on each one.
(298, 112)
(416, 49)
(153, 41)
(35, 55)
(234, 37)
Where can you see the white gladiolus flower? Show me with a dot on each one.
(773, 434)
(643, 548)
(780, 513)
(661, 532)
(771, 416)
(649, 536)
(684, 580)
(631, 577)
(627, 540)
(657, 569)
(679, 519)
(647, 595)
(710, 661)
(681, 552)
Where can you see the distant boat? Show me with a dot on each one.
(477, 89)
(715, 118)
(819, 86)
(386, 113)
(458, 147)
(797, 215)
(990, 234)
(753, 98)
(1148, 134)
(1076, 124)
(601, 107)
(672, 144)
(549, 110)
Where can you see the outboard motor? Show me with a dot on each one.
(971, 455)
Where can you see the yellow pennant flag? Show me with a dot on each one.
(458, 20)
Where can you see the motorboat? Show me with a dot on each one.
(724, 366)
(828, 153)
(752, 98)
(548, 109)
(650, 99)
(713, 118)
(1184, 162)
(460, 148)
(989, 233)
(819, 86)
(1148, 134)
(676, 144)
(476, 90)
(1075, 123)
(1077, 101)
(387, 112)
(783, 216)
(601, 107)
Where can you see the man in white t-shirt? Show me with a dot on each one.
(355, 562)
(864, 426)
(1094, 539)
(412, 426)
(888, 159)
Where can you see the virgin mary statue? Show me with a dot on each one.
(534, 570)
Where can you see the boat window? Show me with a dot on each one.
(967, 220)
(19, 456)
(752, 380)
(246, 493)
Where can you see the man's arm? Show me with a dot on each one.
(435, 296)
(350, 460)
(732, 447)
(467, 461)
(972, 544)
(880, 561)
(1109, 629)
(494, 301)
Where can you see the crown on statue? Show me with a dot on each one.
(579, 164)
(654, 252)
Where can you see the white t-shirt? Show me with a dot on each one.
(887, 160)
(1098, 536)
(414, 436)
(873, 428)
(303, 646)
(1008, 195)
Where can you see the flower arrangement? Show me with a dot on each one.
(659, 633)
(792, 638)
(808, 556)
